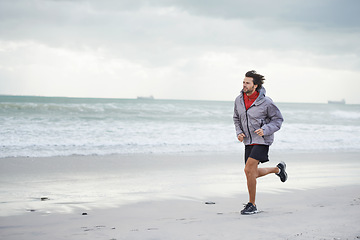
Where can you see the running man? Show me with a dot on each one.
(256, 119)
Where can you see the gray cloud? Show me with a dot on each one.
(179, 35)
(129, 27)
(331, 14)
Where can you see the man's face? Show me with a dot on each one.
(248, 86)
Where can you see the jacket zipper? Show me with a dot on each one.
(247, 120)
(247, 125)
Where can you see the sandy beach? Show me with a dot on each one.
(164, 197)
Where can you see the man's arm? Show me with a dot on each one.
(237, 122)
(276, 120)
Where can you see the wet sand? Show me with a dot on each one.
(164, 196)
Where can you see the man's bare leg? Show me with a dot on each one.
(252, 172)
(265, 171)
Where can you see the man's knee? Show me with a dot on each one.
(249, 171)
(251, 167)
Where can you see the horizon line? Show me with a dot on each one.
(153, 99)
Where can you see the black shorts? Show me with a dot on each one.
(258, 152)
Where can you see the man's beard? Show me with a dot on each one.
(250, 90)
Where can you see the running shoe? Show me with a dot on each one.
(282, 174)
(249, 209)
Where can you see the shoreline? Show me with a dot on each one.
(238, 152)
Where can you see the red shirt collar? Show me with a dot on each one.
(253, 96)
(249, 100)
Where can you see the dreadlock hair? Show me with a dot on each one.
(258, 79)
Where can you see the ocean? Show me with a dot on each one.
(103, 153)
(59, 126)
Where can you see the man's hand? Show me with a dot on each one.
(241, 137)
(260, 132)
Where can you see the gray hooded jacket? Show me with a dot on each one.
(262, 114)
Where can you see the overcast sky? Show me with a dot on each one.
(308, 50)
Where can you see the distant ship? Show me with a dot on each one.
(337, 102)
(145, 98)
